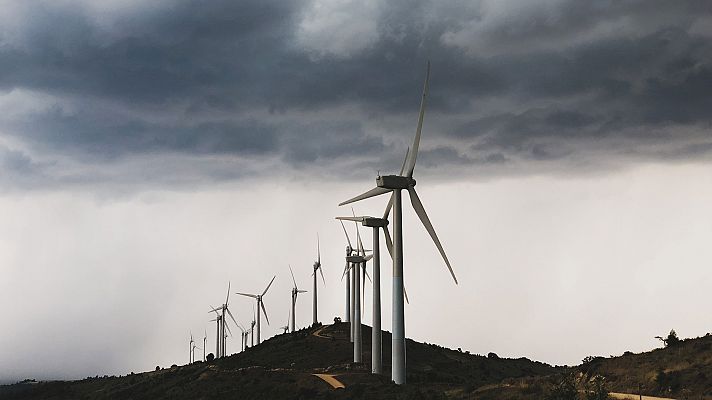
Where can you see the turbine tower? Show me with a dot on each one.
(261, 305)
(252, 328)
(376, 334)
(218, 342)
(317, 266)
(348, 317)
(295, 293)
(190, 349)
(223, 324)
(205, 340)
(394, 184)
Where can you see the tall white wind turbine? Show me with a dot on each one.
(260, 305)
(225, 308)
(376, 334)
(218, 330)
(205, 340)
(295, 293)
(394, 184)
(348, 317)
(190, 349)
(317, 266)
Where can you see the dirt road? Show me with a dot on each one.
(625, 396)
(331, 380)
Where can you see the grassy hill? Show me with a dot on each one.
(283, 367)
(683, 370)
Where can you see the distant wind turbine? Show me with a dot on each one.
(394, 184)
(317, 266)
(190, 349)
(223, 322)
(295, 293)
(260, 305)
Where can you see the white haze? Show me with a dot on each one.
(553, 269)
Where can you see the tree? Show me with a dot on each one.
(210, 357)
(671, 339)
(564, 389)
(596, 389)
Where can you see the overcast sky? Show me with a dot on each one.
(150, 152)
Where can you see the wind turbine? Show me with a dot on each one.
(205, 340)
(349, 289)
(317, 266)
(295, 293)
(394, 184)
(376, 345)
(195, 346)
(261, 305)
(218, 342)
(190, 349)
(252, 328)
(223, 323)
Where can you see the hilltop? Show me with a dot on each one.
(284, 367)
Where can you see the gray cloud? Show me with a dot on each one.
(535, 82)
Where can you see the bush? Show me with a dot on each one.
(596, 389)
(210, 357)
(492, 356)
(564, 389)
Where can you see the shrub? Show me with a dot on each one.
(492, 356)
(564, 389)
(210, 357)
(596, 389)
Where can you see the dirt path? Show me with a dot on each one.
(317, 333)
(625, 396)
(331, 380)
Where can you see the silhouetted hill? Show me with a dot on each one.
(682, 370)
(282, 368)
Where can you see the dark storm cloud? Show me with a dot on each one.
(534, 81)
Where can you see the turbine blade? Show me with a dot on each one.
(358, 219)
(292, 272)
(346, 269)
(318, 250)
(231, 317)
(368, 257)
(262, 304)
(301, 291)
(389, 242)
(377, 191)
(405, 294)
(270, 284)
(410, 165)
(228, 293)
(407, 153)
(247, 294)
(420, 210)
(322, 275)
(214, 309)
(358, 234)
(228, 329)
(388, 207)
(345, 233)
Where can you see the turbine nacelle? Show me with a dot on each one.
(356, 259)
(394, 182)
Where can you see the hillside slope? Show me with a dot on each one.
(680, 371)
(282, 368)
